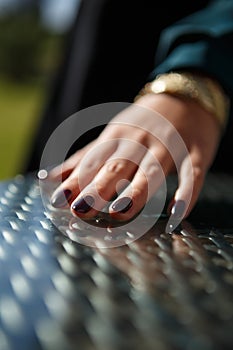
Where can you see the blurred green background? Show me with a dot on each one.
(32, 34)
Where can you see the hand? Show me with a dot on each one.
(129, 149)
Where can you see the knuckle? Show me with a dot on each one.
(100, 188)
(90, 165)
(198, 173)
(139, 192)
(116, 166)
(141, 137)
(153, 170)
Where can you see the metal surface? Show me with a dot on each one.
(160, 292)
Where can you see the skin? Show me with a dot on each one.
(97, 168)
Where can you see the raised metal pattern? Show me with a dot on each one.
(160, 292)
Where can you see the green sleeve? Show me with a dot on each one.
(202, 42)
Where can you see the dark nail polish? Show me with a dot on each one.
(83, 205)
(61, 198)
(172, 225)
(169, 207)
(122, 205)
(177, 210)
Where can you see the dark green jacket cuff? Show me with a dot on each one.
(202, 42)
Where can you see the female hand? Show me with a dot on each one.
(128, 152)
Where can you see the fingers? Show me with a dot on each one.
(103, 187)
(137, 172)
(191, 177)
(150, 175)
(62, 171)
(111, 178)
(82, 174)
(108, 170)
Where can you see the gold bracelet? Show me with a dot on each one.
(205, 91)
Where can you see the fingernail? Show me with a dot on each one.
(178, 208)
(173, 226)
(84, 204)
(170, 205)
(122, 205)
(177, 213)
(61, 198)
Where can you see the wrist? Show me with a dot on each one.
(193, 87)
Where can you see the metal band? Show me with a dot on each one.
(203, 90)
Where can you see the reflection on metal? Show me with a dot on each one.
(162, 291)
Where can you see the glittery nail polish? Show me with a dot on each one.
(122, 205)
(84, 204)
(61, 198)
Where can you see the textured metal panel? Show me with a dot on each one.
(160, 292)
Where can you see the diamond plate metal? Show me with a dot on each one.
(160, 292)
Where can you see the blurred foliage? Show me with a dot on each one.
(29, 56)
(27, 49)
(19, 110)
